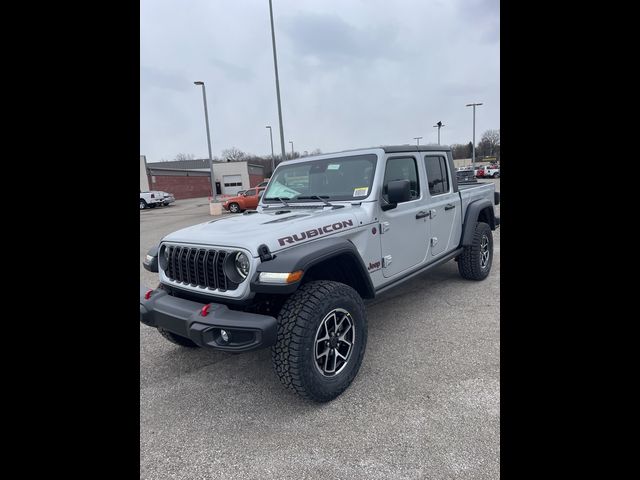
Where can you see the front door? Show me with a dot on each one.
(445, 204)
(404, 229)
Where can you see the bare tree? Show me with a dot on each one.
(185, 156)
(489, 143)
(233, 154)
(459, 151)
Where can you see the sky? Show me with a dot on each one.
(353, 73)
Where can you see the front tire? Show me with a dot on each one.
(322, 336)
(177, 339)
(143, 204)
(234, 208)
(474, 263)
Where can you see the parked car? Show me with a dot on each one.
(150, 199)
(293, 275)
(167, 198)
(465, 175)
(247, 201)
(492, 171)
(262, 184)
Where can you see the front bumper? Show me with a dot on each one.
(247, 331)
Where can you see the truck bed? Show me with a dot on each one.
(471, 192)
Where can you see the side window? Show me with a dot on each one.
(401, 168)
(437, 177)
(250, 193)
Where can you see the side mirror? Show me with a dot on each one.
(398, 191)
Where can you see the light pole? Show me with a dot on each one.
(275, 66)
(291, 148)
(273, 158)
(417, 139)
(473, 158)
(439, 125)
(206, 119)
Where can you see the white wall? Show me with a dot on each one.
(231, 168)
(144, 180)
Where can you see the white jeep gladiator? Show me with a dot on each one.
(330, 232)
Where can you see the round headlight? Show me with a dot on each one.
(163, 257)
(242, 264)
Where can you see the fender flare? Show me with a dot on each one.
(305, 256)
(471, 219)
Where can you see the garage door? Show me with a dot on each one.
(231, 184)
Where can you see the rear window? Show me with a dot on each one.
(437, 177)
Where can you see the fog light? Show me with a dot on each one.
(224, 335)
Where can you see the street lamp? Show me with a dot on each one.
(417, 139)
(291, 148)
(275, 66)
(439, 125)
(273, 158)
(473, 158)
(206, 119)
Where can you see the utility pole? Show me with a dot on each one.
(206, 120)
(275, 66)
(473, 158)
(291, 148)
(417, 139)
(273, 158)
(439, 125)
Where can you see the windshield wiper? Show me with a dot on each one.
(280, 199)
(319, 197)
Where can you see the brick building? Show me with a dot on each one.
(190, 178)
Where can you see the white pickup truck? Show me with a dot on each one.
(151, 199)
(330, 231)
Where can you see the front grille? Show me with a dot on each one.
(198, 267)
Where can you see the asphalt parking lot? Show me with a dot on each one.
(425, 404)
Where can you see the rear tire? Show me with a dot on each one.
(474, 263)
(326, 317)
(177, 339)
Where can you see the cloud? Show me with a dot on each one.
(352, 74)
(328, 38)
(151, 77)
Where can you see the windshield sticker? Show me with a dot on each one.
(333, 166)
(360, 191)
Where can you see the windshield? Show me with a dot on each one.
(339, 178)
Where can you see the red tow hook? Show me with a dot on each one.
(147, 295)
(205, 310)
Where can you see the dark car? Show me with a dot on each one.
(465, 176)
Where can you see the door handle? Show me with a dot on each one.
(422, 214)
(450, 206)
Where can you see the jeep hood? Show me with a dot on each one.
(276, 230)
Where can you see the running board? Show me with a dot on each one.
(420, 270)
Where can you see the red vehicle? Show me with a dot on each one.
(246, 201)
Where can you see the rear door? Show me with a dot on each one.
(404, 229)
(445, 207)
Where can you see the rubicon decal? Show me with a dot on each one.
(315, 232)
